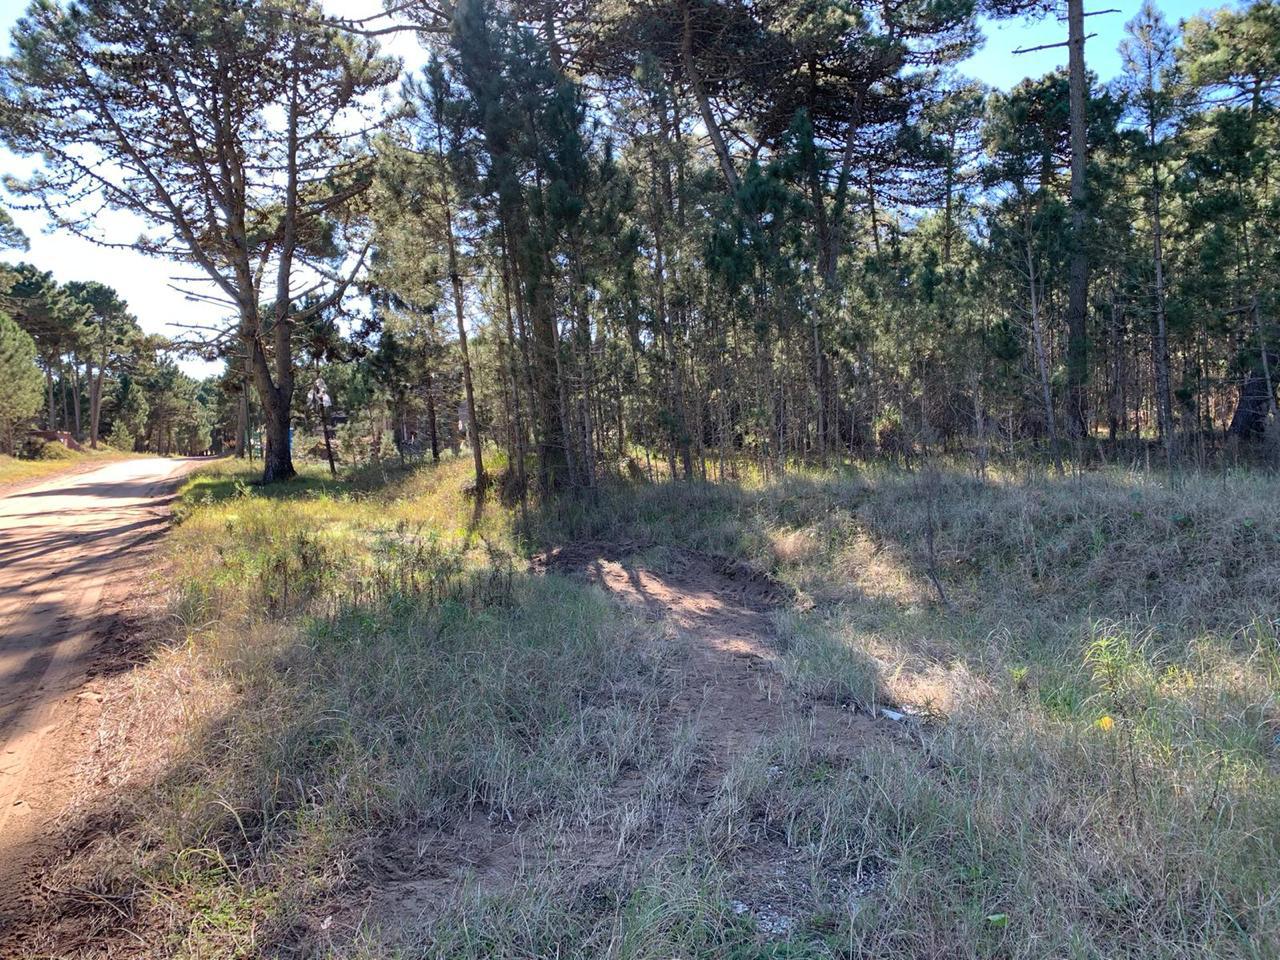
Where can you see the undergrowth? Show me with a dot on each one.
(362, 667)
(1096, 700)
(53, 458)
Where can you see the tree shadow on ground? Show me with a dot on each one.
(238, 818)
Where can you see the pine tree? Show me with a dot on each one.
(1148, 55)
(20, 381)
(228, 128)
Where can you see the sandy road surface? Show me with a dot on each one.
(62, 542)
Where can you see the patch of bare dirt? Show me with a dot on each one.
(729, 692)
(724, 690)
(44, 912)
(721, 607)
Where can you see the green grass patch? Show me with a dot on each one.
(366, 665)
(59, 459)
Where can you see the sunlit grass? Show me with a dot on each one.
(14, 470)
(1104, 736)
(1091, 769)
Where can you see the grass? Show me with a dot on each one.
(14, 470)
(364, 678)
(1100, 775)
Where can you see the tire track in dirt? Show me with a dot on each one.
(63, 543)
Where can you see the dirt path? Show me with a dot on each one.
(731, 694)
(63, 544)
(733, 685)
(64, 473)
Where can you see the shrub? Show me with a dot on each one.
(38, 448)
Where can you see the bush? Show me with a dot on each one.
(38, 448)
(892, 436)
(121, 438)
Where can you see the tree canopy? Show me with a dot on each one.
(597, 233)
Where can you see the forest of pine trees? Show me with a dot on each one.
(722, 479)
(672, 237)
(89, 372)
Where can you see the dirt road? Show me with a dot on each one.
(62, 543)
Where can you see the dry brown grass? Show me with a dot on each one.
(421, 750)
(1096, 770)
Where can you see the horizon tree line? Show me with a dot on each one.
(689, 232)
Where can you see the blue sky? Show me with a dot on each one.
(996, 64)
(144, 281)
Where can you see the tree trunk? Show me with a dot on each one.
(553, 458)
(1262, 353)
(830, 255)
(242, 420)
(328, 444)
(704, 104)
(276, 393)
(75, 398)
(95, 406)
(1042, 363)
(455, 279)
(1078, 274)
(1164, 398)
(1256, 401)
(473, 422)
(1257, 392)
(585, 366)
(66, 414)
(48, 379)
(518, 451)
(1115, 397)
(277, 459)
(432, 431)
(675, 389)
